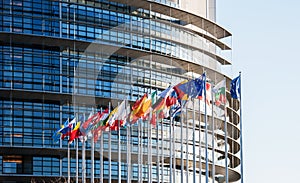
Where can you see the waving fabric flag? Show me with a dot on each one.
(235, 89)
(219, 91)
(102, 125)
(134, 116)
(64, 130)
(193, 88)
(76, 128)
(75, 133)
(67, 128)
(87, 126)
(120, 113)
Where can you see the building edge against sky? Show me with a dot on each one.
(62, 59)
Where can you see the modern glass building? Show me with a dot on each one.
(64, 58)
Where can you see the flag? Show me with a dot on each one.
(181, 89)
(57, 134)
(123, 111)
(192, 88)
(153, 97)
(67, 130)
(117, 124)
(68, 127)
(101, 125)
(144, 110)
(119, 113)
(201, 82)
(64, 130)
(171, 99)
(235, 90)
(160, 103)
(153, 119)
(75, 133)
(166, 92)
(136, 108)
(111, 117)
(219, 92)
(86, 126)
(138, 103)
(208, 93)
(176, 110)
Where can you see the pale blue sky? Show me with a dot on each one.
(266, 37)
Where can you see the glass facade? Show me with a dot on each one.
(63, 58)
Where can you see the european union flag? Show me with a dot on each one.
(235, 89)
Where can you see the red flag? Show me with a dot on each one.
(138, 103)
(153, 120)
(75, 133)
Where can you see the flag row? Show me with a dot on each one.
(151, 107)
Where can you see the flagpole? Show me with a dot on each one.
(69, 174)
(181, 145)
(225, 131)
(83, 162)
(157, 150)
(109, 148)
(162, 150)
(101, 155)
(206, 144)
(194, 141)
(149, 148)
(170, 148)
(187, 143)
(200, 143)
(213, 136)
(139, 152)
(128, 154)
(119, 148)
(92, 159)
(76, 141)
(174, 152)
(241, 127)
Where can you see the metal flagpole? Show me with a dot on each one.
(101, 155)
(157, 150)
(213, 135)
(128, 153)
(170, 148)
(77, 158)
(157, 147)
(181, 144)
(109, 148)
(194, 141)
(92, 159)
(206, 129)
(149, 148)
(69, 173)
(162, 150)
(225, 131)
(241, 127)
(139, 152)
(119, 149)
(83, 162)
(200, 143)
(187, 143)
(174, 151)
(142, 153)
